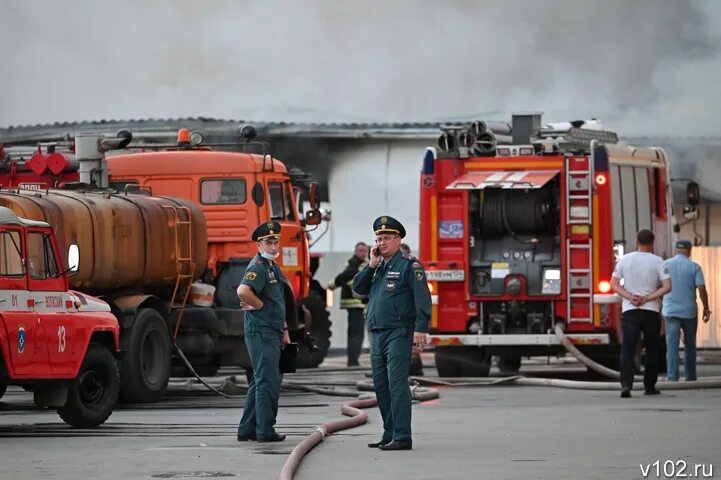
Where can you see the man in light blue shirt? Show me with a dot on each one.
(680, 311)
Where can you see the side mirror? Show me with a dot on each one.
(313, 196)
(693, 196)
(690, 212)
(313, 217)
(73, 258)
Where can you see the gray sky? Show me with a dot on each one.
(642, 66)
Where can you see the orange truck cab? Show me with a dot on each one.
(58, 343)
(236, 192)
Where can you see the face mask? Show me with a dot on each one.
(269, 256)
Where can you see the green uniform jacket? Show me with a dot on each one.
(345, 279)
(266, 280)
(399, 295)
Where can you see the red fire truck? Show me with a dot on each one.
(520, 229)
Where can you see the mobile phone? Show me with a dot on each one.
(376, 251)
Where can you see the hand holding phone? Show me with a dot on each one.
(375, 256)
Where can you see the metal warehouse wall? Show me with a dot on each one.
(365, 180)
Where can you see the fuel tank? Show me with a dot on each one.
(125, 240)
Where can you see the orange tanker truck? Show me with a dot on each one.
(167, 245)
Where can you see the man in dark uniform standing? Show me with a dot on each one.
(352, 303)
(398, 313)
(261, 296)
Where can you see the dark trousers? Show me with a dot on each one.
(633, 322)
(261, 401)
(356, 332)
(391, 360)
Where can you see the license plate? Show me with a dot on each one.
(445, 275)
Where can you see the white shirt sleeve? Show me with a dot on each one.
(663, 273)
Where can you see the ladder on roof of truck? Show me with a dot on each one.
(185, 267)
(579, 239)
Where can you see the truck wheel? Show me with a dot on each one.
(320, 331)
(3, 387)
(509, 364)
(145, 369)
(447, 363)
(475, 361)
(94, 392)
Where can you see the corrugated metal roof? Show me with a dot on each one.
(221, 126)
(228, 127)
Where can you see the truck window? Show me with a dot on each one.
(643, 198)
(41, 260)
(276, 201)
(628, 196)
(223, 192)
(290, 214)
(11, 255)
(617, 213)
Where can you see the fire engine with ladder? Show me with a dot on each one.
(520, 228)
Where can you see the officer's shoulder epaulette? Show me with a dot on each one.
(414, 261)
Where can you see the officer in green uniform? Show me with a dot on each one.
(261, 296)
(399, 309)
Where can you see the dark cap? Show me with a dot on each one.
(266, 230)
(386, 224)
(683, 244)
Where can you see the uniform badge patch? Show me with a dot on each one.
(419, 275)
(416, 265)
(269, 224)
(384, 220)
(251, 275)
(21, 339)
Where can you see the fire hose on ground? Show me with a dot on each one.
(350, 409)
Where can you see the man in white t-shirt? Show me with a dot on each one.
(645, 281)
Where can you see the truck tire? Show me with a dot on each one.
(447, 364)
(475, 361)
(3, 387)
(320, 331)
(508, 365)
(94, 392)
(145, 369)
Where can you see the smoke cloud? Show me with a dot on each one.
(645, 67)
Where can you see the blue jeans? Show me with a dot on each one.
(674, 325)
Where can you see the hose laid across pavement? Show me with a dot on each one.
(350, 409)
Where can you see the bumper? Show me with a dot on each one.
(518, 340)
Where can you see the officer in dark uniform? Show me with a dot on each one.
(399, 309)
(261, 296)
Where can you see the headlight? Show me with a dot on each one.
(551, 281)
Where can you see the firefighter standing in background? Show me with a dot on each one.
(354, 304)
(261, 297)
(399, 309)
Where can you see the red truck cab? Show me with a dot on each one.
(58, 343)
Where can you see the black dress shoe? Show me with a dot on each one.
(246, 438)
(276, 437)
(379, 444)
(652, 391)
(394, 445)
(625, 392)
